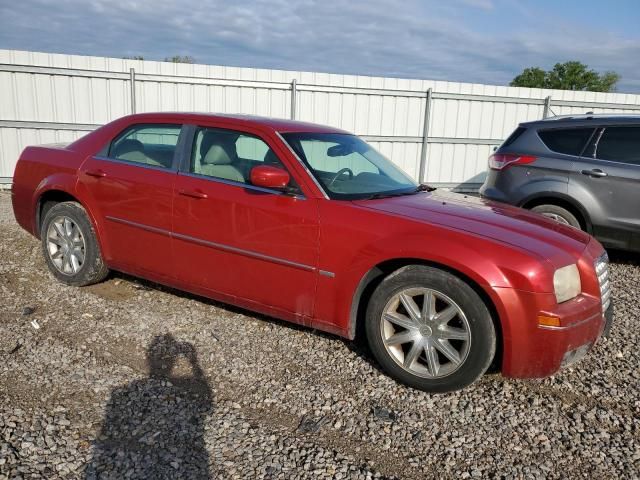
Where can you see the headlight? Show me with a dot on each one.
(566, 283)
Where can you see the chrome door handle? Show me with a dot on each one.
(96, 173)
(193, 194)
(596, 172)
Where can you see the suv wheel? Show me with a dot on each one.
(559, 214)
(429, 329)
(70, 246)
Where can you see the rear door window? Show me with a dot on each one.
(570, 141)
(152, 145)
(620, 144)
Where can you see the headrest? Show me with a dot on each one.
(127, 146)
(270, 158)
(212, 137)
(216, 155)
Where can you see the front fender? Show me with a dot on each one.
(486, 263)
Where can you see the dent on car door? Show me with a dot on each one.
(237, 240)
(130, 183)
(610, 171)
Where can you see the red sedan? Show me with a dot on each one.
(310, 224)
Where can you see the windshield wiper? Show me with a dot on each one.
(423, 187)
(420, 188)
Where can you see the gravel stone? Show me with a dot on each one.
(129, 379)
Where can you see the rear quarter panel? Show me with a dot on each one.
(39, 170)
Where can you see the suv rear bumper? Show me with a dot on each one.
(492, 193)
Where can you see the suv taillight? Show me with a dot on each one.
(500, 161)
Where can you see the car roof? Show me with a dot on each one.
(275, 124)
(584, 120)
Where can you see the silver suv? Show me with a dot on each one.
(580, 170)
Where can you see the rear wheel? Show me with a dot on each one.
(70, 245)
(559, 214)
(429, 329)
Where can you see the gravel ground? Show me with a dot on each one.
(134, 380)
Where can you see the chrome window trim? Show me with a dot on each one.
(234, 183)
(218, 246)
(171, 169)
(324, 194)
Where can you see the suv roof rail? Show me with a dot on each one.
(589, 116)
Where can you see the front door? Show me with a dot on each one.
(130, 184)
(240, 241)
(610, 171)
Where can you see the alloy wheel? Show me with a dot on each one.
(425, 332)
(65, 245)
(556, 217)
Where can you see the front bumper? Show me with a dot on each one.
(534, 351)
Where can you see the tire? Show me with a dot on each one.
(70, 246)
(559, 214)
(469, 330)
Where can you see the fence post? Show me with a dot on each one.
(293, 99)
(547, 107)
(132, 85)
(425, 137)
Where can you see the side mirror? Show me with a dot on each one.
(266, 176)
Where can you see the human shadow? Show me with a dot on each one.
(154, 427)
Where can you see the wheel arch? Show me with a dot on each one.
(560, 200)
(370, 281)
(48, 197)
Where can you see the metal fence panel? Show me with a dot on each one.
(51, 98)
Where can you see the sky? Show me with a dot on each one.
(479, 41)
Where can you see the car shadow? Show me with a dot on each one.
(358, 345)
(154, 427)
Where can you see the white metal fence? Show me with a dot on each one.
(438, 132)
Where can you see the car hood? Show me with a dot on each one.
(498, 221)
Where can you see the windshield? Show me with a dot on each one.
(347, 167)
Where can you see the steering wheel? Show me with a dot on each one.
(340, 172)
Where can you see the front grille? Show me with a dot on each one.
(602, 271)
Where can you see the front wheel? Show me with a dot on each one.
(429, 329)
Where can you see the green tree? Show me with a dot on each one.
(567, 76)
(134, 57)
(180, 59)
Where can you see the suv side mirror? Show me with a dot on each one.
(267, 176)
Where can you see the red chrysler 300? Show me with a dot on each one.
(310, 224)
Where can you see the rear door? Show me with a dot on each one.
(130, 183)
(610, 170)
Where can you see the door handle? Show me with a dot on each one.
(96, 173)
(193, 194)
(596, 172)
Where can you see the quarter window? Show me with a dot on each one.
(570, 141)
(620, 144)
(153, 145)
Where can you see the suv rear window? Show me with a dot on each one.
(514, 136)
(569, 141)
